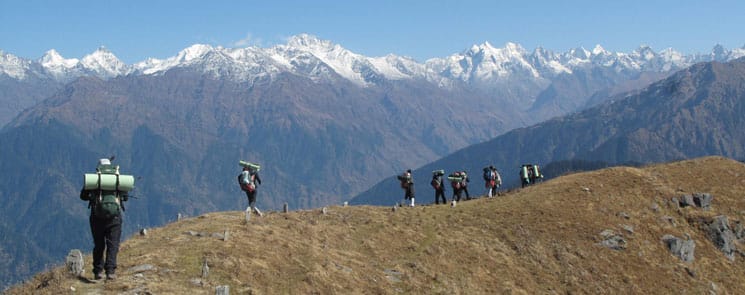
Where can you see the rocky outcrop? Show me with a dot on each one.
(720, 233)
(683, 249)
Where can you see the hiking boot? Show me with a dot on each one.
(258, 212)
(111, 276)
(97, 275)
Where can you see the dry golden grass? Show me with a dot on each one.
(542, 239)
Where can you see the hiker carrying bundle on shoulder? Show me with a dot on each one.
(437, 185)
(456, 182)
(106, 191)
(249, 180)
(407, 184)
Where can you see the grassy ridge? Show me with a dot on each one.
(541, 239)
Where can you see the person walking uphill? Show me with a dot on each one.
(407, 183)
(437, 185)
(106, 191)
(464, 184)
(249, 180)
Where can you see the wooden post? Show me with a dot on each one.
(222, 290)
(205, 269)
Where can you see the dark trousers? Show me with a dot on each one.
(106, 235)
(456, 194)
(465, 189)
(251, 198)
(409, 192)
(440, 193)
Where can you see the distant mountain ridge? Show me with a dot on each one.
(305, 54)
(542, 83)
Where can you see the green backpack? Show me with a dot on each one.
(107, 205)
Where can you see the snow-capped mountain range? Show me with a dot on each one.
(318, 59)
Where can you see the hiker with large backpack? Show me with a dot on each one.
(407, 184)
(535, 173)
(492, 180)
(464, 184)
(438, 186)
(456, 182)
(497, 181)
(249, 181)
(106, 191)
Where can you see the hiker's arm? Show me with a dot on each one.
(258, 179)
(85, 195)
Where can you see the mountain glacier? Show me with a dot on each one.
(309, 56)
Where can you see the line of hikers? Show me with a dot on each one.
(529, 174)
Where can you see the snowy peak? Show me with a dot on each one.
(310, 43)
(13, 66)
(104, 63)
(193, 52)
(52, 59)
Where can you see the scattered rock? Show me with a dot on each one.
(586, 189)
(654, 207)
(683, 249)
(691, 272)
(324, 210)
(196, 281)
(703, 200)
(612, 240)
(218, 236)
(142, 268)
(343, 268)
(395, 208)
(222, 290)
(75, 264)
(623, 215)
(139, 276)
(393, 275)
(628, 228)
(686, 200)
(675, 202)
(722, 236)
(607, 233)
(143, 232)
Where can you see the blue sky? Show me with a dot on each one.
(135, 30)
